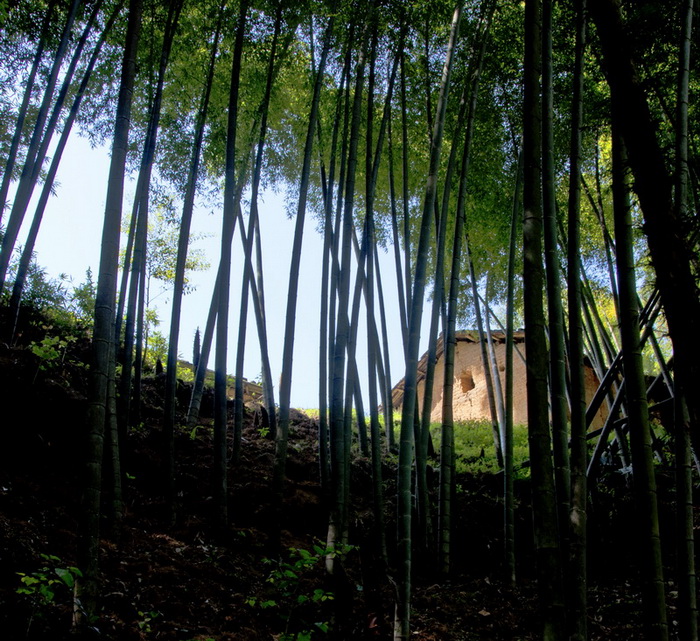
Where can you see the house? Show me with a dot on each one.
(470, 399)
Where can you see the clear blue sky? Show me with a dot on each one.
(69, 242)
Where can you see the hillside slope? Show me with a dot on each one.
(183, 582)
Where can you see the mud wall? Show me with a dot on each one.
(469, 392)
(470, 401)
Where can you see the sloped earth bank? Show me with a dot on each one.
(182, 583)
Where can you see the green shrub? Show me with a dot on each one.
(474, 447)
(291, 593)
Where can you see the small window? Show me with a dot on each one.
(466, 381)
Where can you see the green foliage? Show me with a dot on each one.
(161, 257)
(42, 585)
(286, 574)
(208, 430)
(474, 446)
(82, 301)
(157, 349)
(146, 618)
(79, 300)
(40, 291)
(67, 307)
(163, 233)
(52, 351)
(49, 350)
(293, 595)
(185, 373)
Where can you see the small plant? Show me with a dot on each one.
(264, 432)
(81, 303)
(139, 428)
(290, 598)
(185, 373)
(49, 350)
(145, 620)
(287, 575)
(42, 586)
(263, 604)
(196, 430)
(52, 351)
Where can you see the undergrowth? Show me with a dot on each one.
(474, 444)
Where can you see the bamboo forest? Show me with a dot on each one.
(498, 201)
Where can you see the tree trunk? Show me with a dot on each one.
(405, 196)
(447, 441)
(447, 432)
(113, 484)
(136, 284)
(30, 170)
(483, 348)
(103, 332)
(403, 606)
(555, 316)
(141, 205)
(340, 440)
(248, 247)
(422, 436)
(667, 235)
(28, 250)
(508, 472)
(335, 282)
(400, 282)
(544, 506)
(687, 597)
(31, 173)
(23, 108)
(386, 396)
(578, 579)
(369, 246)
(203, 359)
(258, 285)
(493, 365)
(653, 597)
(228, 225)
(179, 282)
(329, 260)
(279, 469)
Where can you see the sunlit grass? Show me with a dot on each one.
(474, 445)
(475, 449)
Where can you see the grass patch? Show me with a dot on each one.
(475, 449)
(474, 446)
